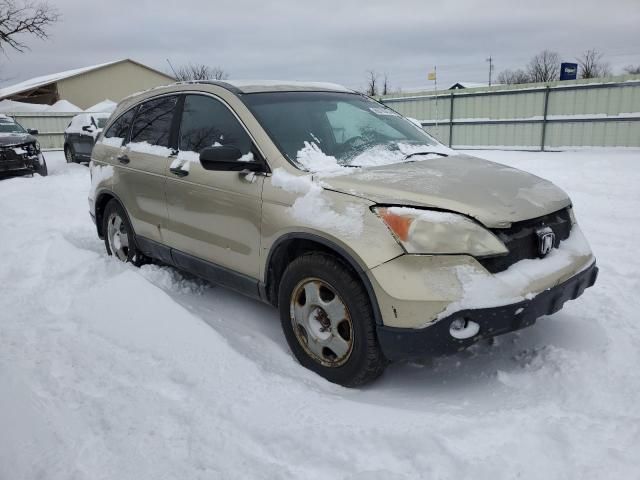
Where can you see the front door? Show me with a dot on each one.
(213, 215)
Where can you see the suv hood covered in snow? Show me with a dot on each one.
(12, 139)
(493, 194)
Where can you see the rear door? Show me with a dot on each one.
(213, 215)
(142, 165)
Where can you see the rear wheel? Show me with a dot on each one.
(119, 238)
(327, 319)
(69, 154)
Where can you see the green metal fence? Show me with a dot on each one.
(581, 113)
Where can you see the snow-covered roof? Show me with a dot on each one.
(43, 80)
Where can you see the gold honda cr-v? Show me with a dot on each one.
(375, 242)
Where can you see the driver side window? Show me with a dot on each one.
(207, 122)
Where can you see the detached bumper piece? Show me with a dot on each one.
(442, 337)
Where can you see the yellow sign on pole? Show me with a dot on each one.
(431, 76)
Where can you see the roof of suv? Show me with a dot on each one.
(255, 86)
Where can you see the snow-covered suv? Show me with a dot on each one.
(375, 242)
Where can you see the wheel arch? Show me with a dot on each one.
(292, 245)
(102, 199)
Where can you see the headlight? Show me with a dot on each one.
(433, 232)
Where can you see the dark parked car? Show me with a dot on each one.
(19, 150)
(81, 134)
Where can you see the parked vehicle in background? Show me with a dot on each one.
(19, 150)
(80, 135)
(376, 242)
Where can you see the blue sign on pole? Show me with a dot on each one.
(568, 71)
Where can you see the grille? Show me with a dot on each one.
(522, 241)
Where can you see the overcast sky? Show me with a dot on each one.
(330, 40)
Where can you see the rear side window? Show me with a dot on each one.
(206, 122)
(153, 121)
(120, 128)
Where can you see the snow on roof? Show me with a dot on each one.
(250, 86)
(47, 79)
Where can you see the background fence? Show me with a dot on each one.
(580, 113)
(50, 126)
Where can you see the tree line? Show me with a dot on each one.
(545, 67)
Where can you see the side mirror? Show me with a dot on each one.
(32, 131)
(227, 158)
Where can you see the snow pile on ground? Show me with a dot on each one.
(108, 371)
(63, 106)
(106, 106)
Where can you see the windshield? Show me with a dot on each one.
(9, 126)
(349, 129)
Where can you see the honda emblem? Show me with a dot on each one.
(546, 241)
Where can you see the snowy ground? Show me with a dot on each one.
(113, 372)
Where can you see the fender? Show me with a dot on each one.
(346, 256)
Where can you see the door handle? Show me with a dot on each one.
(123, 158)
(179, 171)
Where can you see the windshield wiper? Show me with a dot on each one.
(415, 154)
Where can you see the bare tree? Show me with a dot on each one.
(194, 71)
(372, 83)
(592, 66)
(511, 77)
(20, 18)
(633, 70)
(544, 67)
(385, 84)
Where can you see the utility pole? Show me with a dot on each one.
(490, 60)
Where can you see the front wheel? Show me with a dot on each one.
(41, 169)
(327, 319)
(119, 238)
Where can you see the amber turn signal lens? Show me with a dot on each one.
(398, 224)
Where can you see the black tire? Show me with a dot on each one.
(365, 362)
(42, 169)
(131, 254)
(69, 154)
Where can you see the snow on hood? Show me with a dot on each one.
(493, 194)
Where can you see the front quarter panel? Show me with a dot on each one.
(340, 219)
